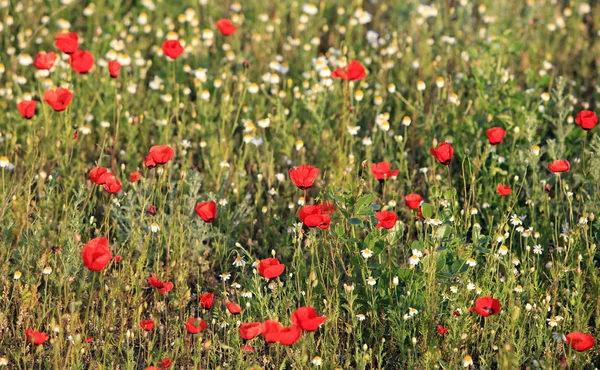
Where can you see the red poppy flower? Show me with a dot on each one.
(206, 300)
(172, 48)
(269, 330)
(195, 326)
(147, 325)
(118, 259)
(96, 254)
(443, 153)
(559, 165)
(207, 211)
(163, 287)
(113, 68)
(586, 119)
(152, 368)
(226, 27)
(307, 319)
(151, 210)
(579, 341)
(44, 61)
(134, 176)
(486, 306)
(89, 339)
(159, 154)
(383, 171)
(247, 348)
(387, 219)
(36, 337)
(315, 216)
(233, 308)
(503, 190)
(441, 330)
(96, 173)
(250, 330)
(67, 42)
(27, 108)
(413, 201)
(82, 61)
(58, 99)
(304, 176)
(165, 363)
(284, 335)
(110, 183)
(495, 135)
(270, 268)
(354, 71)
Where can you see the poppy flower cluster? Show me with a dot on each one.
(316, 215)
(101, 176)
(303, 319)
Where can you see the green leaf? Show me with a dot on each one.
(516, 47)
(442, 232)
(427, 210)
(449, 194)
(378, 247)
(339, 230)
(418, 245)
(363, 205)
(404, 274)
(355, 221)
(441, 262)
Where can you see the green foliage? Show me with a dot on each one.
(528, 67)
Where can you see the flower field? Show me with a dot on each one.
(295, 185)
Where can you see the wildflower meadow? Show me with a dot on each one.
(352, 184)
